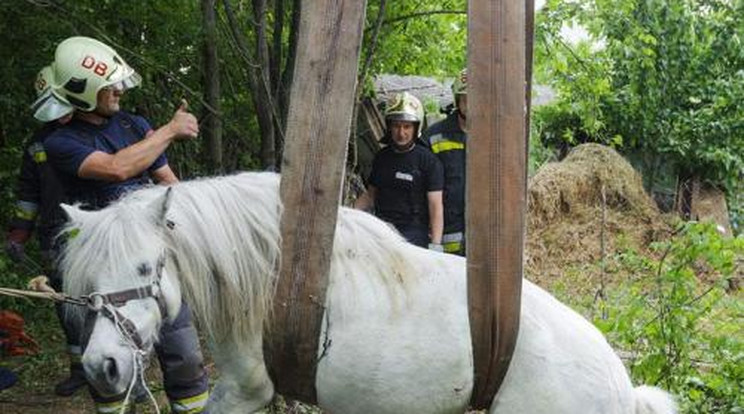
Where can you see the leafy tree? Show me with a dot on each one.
(165, 41)
(664, 78)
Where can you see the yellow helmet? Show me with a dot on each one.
(83, 66)
(460, 85)
(48, 106)
(404, 107)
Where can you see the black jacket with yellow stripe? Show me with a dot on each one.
(447, 141)
(39, 191)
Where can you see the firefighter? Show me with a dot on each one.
(447, 140)
(405, 184)
(104, 152)
(38, 194)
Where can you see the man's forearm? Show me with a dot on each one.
(127, 162)
(436, 224)
(436, 216)
(138, 157)
(164, 175)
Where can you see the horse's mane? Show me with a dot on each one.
(223, 236)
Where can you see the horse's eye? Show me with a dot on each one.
(144, 269)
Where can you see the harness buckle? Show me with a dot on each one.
(95, 301)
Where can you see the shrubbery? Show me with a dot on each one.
(678, 323)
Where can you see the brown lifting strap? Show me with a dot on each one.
(318, 127)
(498, 34)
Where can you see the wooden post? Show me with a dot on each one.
(319, 119)
(496, 201)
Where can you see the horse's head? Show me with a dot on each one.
(117, 260)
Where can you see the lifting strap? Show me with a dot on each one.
(498, 40)
(318, 129)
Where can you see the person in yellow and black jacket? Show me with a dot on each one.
(448, 140)
(38, 189)
(39, 192)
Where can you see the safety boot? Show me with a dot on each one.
(74, 382)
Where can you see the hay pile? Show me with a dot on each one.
(565, 214)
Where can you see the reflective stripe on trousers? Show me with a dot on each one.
(191, 405)
(111, 407)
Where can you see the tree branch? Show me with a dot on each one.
(422, 14)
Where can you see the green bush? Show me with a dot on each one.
(680, 321)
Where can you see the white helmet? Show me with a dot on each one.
(48, 106)
(405, 107)
(83, 66)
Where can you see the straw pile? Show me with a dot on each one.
(587, 207)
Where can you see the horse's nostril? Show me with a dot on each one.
(112, 372)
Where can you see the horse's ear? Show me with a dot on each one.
(161, 205)
(74, 214)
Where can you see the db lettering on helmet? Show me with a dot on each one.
(83, 66)
(90, 63)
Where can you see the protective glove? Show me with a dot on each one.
(14, 243)
(436, 247)
(15, 250)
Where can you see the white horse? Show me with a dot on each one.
(396, 314)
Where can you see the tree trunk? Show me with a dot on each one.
(262, 100)
(266, 106)
(212, 124)
(284, 86)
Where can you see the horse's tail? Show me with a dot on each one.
(652, 400)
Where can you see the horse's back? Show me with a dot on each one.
(561, 364)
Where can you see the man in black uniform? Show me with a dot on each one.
(447, 139)
(405, 185)
(103, 153)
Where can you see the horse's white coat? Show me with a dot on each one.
(396, 324)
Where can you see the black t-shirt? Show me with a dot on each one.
(403, 181)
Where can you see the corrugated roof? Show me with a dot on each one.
(429, 89)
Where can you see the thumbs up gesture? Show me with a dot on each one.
(184, 124)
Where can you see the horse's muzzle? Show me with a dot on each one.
(110, 376)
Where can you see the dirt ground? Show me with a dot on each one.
(581, 212)
(33, 394)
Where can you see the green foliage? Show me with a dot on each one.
(432, 44)
(665, 77)
(684, 335)
(539, 154)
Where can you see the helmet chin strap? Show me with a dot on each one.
(93, 117)
(404, 148)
